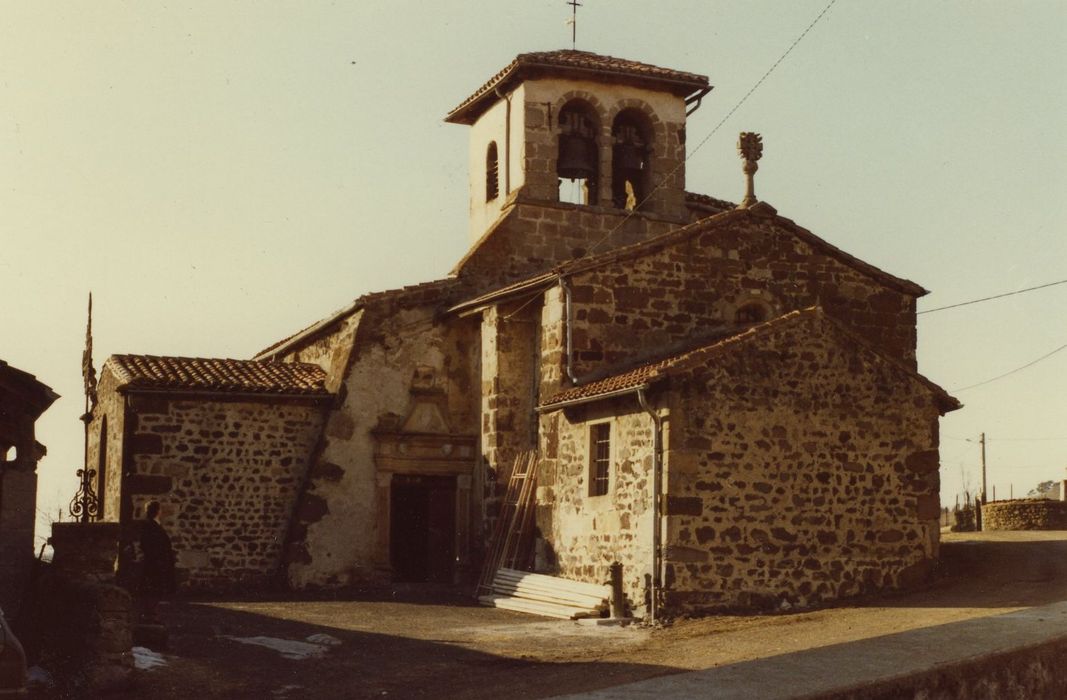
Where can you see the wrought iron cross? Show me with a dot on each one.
(574, 21)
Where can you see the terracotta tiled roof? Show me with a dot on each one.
(217, 375)
(709, 223)
(760, 209)
(651, 372)
(418, 293)
(654, 371)
(537, 282)
(712, 205)
(577, 64)
(21, 387)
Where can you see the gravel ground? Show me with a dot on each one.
(425, 645)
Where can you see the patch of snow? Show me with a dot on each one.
(145, 659)
(288, 648)
(285, 690)
(325, 640)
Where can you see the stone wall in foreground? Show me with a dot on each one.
(1025, 514)
(227, 474)
(799, 472)
(18, 495)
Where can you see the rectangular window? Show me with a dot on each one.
(599, 458)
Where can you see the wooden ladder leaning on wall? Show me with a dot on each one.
(512, 541)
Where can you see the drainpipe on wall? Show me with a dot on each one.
(657, 467)
(568, 364)
(507, 140)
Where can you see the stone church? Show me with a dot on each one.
(720, 399)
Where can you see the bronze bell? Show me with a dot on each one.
(577, 157)
(629, 157)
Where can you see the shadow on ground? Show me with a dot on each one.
(204, 663)
(422, 643)
(980, 572)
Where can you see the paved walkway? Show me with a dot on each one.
(841, 666)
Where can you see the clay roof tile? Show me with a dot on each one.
(217, 375)
(660, 369)
(576, 64)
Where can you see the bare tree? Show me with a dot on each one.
(965, 480)
(1041, 490)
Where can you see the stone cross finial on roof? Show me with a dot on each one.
(749, 147)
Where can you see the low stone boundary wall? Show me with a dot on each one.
(1025, 514)
(79, 624)
(1026, 672)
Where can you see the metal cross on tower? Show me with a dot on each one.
(574, 21)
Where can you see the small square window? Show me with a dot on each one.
(599, 459)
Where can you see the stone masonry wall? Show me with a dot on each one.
(341, 531)
(80, 622)
(110, 406)
(331, 351)
(695, 286)
(18, 499)
(1025, 514)
(535, 231)
(534, 236)
(227, 473)
(18, 496)
(801, 468)
(583, 534)
(665, 116)
(510, 357)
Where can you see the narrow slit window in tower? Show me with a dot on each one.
(492, 173)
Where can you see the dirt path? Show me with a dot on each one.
(448, 648)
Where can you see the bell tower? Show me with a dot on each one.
(576, 130)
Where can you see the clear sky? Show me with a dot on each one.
(223, 174)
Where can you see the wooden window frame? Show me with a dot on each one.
(599, 459)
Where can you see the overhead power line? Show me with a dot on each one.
(711, 133)
(1047, 439)
(995, 296)
(1017, 369)
(1003, 439)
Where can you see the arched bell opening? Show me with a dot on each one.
(578, 161)
(631, 158)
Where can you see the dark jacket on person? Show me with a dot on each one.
(157, 573)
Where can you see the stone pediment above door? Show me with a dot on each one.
(423, 441)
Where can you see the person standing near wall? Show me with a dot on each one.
(157, 566)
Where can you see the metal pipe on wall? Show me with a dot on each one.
(568, 364)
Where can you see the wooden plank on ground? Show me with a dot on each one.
(562, 612)
(553, 582)
(551, 596)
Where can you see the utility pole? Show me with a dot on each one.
(981, 441)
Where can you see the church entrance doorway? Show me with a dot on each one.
(423, 528)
